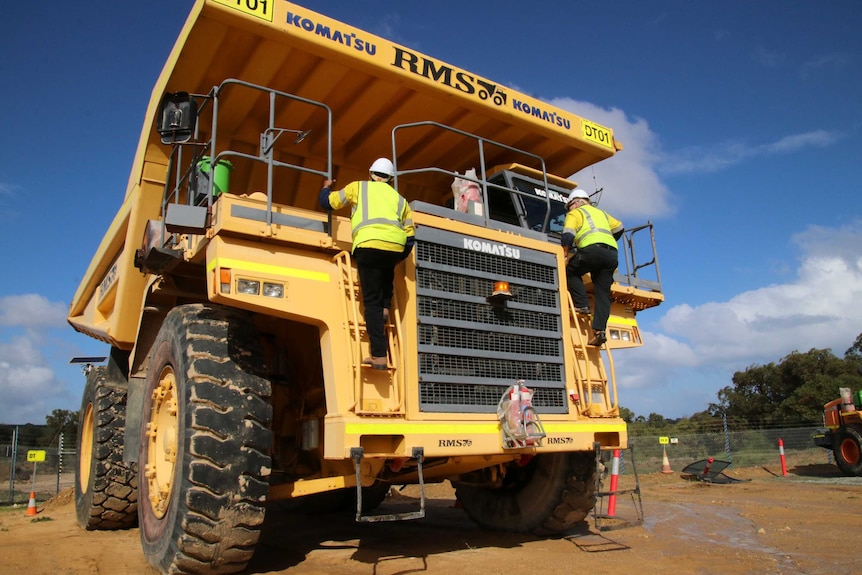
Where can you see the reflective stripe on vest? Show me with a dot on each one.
(595, 229)
(378, 218)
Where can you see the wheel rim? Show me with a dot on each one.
(850, 451)
(85, 456)
(162, 442)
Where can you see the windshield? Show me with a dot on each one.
(535, 206)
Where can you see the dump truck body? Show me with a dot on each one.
(233, 309)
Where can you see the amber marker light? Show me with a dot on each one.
(501, 294)
(224, 279)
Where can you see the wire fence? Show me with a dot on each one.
(748, 448)
(45, 478)
(741, 448)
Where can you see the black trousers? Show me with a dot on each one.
(376, 274)
(600, 261)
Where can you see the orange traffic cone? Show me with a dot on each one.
(665, 464)
(31, 506)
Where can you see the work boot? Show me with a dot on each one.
(598, 339)
(582, 310)
(376, 362)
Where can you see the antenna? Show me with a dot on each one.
(598, 193)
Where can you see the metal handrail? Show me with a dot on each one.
(265, 155)
(482, 180)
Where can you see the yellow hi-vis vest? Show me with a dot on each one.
(377, 215)
(595, 228)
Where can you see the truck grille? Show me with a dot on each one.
(471, 351)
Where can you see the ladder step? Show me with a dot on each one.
(356, 454)
(605, 521)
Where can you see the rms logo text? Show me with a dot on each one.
(457, 79)
(454, 442)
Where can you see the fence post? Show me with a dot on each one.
(727, 441)
(59, 461)
(14, 464)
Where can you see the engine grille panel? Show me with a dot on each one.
(499, 343)
(477, 261)
(451, 397)
(469, 350)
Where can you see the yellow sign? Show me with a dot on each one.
(663, 440)
(597, 133)
(36, 455)
(258, 8)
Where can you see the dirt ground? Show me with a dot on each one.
(806, 523)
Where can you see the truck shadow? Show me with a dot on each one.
(289, 538)
(816, 470)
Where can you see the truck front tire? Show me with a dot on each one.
(205, 443)
(106, 488)
(848, 451)
(547, 496)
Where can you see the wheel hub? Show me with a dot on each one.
(850, 451)
(85, 457)
(162, 442)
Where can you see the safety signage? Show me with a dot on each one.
(36, 455)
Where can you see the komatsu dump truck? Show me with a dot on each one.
(233, 310)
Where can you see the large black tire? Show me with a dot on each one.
(848, 451)
(548, 496)
(106, 489)
(205, 443)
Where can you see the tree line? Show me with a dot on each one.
(789, 393)
(32, 435)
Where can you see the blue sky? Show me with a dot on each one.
(742, 126)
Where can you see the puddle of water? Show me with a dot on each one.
(713, 525)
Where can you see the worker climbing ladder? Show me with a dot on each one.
(371, 396)
(596, 391)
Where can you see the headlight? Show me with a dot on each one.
(273, 290)
(248, 287)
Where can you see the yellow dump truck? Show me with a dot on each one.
(233, 311)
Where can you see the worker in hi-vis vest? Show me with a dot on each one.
(382, 237)
(592, 234)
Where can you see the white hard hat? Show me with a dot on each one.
(577, 194)
(382, 166)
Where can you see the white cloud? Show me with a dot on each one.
(768, 58)
(700, 159)
(31, 311)
(630, 178)
(6, 191)
(29, 386)
(818, 309)
(830, 62)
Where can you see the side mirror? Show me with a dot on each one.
(178, 114)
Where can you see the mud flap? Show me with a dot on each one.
(356, 454)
